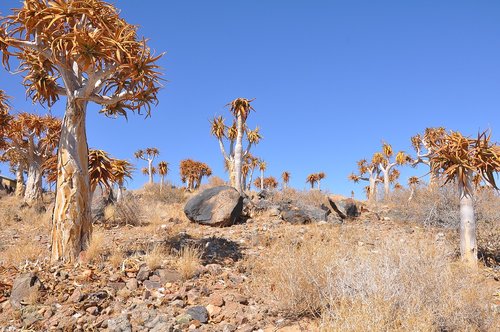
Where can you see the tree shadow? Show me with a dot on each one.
(214, 250)
(489, 256)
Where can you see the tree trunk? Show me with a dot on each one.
(319, 185)
(261, 179)
(387, 184)
(238, 154)
(249, 185)
(119, 195)
(33, 193)
(373, 185)
(162, 179)
(412, 193)
(284, 185)
(20, 185)
(468, 245)
(72, 221)
(150, 170)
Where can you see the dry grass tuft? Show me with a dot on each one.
(154, 258)
(188, 261)
(167, 195)
(95, 251)
(390, 282)
(21, 252)
(116, 257)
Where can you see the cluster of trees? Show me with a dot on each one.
(315, 178)
(192, 173)
(450, 157)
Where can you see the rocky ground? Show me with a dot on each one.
(136, 293)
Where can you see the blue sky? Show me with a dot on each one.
(332, 79)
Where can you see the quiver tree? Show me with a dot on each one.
(386, 163)
(320, 176)
(100, 170)
(17, 166)
(413, 182)
(252, 163)
(425, 147)
(151, 172)
(459, 159)
(270, 183)
(262, 168)
(149, 155)
(240, 108)
(163, 171)
(312, 179)
(192, 172)
(31, 140)
(122, 169)
(285, 176)
(85, 51)
(368, 172)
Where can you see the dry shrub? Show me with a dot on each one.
(213, 181)
(116, 257)
(188, 261)
(126, 212)
(21, 252)
(154, 258)
(308, 197)
(397, 283)
(168, 194)
(95, 250)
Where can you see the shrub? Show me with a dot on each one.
(397, 283)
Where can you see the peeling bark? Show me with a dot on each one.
(20, 185)
(72, 223)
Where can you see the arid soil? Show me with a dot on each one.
(168, 274)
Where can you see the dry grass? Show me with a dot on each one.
(355, 280)
(154, 258)
(95, 251)
(213, 181)
(166, 195)
(21, 252)
(188, 261)
(116, 257)
(307, 197)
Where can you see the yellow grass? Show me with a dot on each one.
(188, 261)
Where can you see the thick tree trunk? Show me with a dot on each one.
(373, 185)
(119, 195)
(33, 193)
(150, 170)
(71, 222)
(20, 185)
(387, 184)
(249, 185)
(238, 154)
(468, 245)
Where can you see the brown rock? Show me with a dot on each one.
(216, 300)
(168, 276)
(150, 285)
(117, 285)
(25, 290)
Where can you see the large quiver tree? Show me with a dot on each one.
(467, 162)
(85, 51)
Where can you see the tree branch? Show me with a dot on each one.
(106, 100)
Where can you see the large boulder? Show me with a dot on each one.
(346, 208)
(218, 206)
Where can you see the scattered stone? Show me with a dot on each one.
(25, 290)
(116, 286)
(143, 273)
(120, 324)
(297, 217)
(183, 319)
(168, 275)
(132, 284)
(219, 206)
(151, 285)
(92, 310)
(199, 313)
(216, 300)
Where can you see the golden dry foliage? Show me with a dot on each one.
(163, 168)
(285, 176)
(4, 117)
(81, 46)
(312, 179)
(270, 183)
(413, 181)
(100, 169)
(262, 165)
(457, 155)
(121, 169)
(192, 172)
(241, 106)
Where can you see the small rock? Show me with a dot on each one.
(132, 284)
(178, 304)
(168, 275)
(120, 324)
(154, 278)
(151, 285)
(199, 313)
(117, 285)
(25, 290)
(143, 273)
(183, 319)
(216, 300)
(92, 310)
(213, 310)
(228, 328)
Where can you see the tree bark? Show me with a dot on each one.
(261, 179)
(387, 184)
(249, 185)
(119, 195)
(468, 244)
(71, 222)
(150, 170)
(162, 179)
(373, 185)
(20, 185)
(33, 193)
(238, 154)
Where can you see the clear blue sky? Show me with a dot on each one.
(332, 79)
